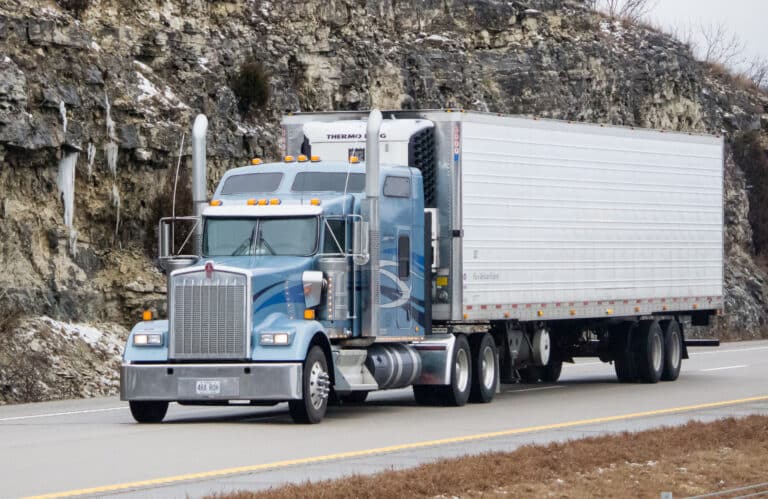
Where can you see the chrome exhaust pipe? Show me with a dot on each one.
(372, 188)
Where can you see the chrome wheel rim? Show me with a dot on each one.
(487, 367)
(318, 385)
(462, 369)
(656, 349)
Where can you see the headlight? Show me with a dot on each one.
(147, 339)
(276, 338)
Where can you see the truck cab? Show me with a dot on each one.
(276, 280)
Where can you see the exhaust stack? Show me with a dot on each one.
(372, 188)
(199, 180)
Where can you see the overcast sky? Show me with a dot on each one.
(747, 18)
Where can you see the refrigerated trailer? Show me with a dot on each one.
(445, 250)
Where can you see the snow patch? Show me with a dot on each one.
(6, 59)
(143, 66)
(148, 90)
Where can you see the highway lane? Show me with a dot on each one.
(75, 445)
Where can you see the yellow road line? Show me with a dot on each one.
(392, 448)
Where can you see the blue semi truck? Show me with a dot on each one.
(447, 251)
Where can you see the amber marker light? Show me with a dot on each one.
(354, 160)
(288, 159)
(256, 161)
(309, 314)
(274, 201)
(302, 159)
(216, 202)
(146, 315)
(314, 202)
(251, 202)
(262, 202)
(314, 159)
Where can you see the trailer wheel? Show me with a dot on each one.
(310, 409)
(148, 411)
(673, 350)
(648, 351)
(485, 373)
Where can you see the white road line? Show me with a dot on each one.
(724, 368)
(54, 414)
(733, 350)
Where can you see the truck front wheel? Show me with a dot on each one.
(316, 386)
(148, 411)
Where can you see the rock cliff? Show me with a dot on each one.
(95, 96)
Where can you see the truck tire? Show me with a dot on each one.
(648, 351)
(148, 411)
(310, 409)
(673, 350)
(485, 372)
(457, 392)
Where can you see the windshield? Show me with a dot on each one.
(260, 236)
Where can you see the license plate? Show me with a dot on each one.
(208, 387)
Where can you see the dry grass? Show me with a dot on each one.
(693, 459)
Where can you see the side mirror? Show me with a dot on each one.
(313, 287)
(360, 239)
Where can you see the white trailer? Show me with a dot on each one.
(555, 235)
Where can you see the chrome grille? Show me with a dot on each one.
(208, 316)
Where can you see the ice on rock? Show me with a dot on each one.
(63, 113)
(66, 184)
(91, 151)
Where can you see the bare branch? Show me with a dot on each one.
(719, 45)
(628, 10)
(757, 71)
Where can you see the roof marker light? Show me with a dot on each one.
(262, 202)
(302, 159)
(288, 159)
(256, 161)
(354, 160)
(251, 202)
(314, 159)
(216, 202)
(314, 202)
(274, 201)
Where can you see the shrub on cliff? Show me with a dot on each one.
(750, 155)
(251, 86)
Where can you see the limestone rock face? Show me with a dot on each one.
(119, 84)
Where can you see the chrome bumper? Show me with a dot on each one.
(234, 381)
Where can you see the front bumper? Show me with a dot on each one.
(276, 382)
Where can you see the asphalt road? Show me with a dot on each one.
(93, 447)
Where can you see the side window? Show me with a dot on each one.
(397, 187)
(334, 240)
(403, 256)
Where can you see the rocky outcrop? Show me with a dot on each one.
(94, 106)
